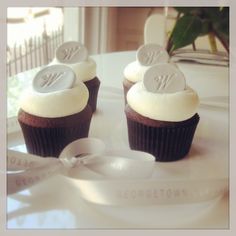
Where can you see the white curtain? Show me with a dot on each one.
(92, 26)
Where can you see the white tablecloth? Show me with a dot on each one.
(53, 204)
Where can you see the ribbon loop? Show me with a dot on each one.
(69, 162)
(83, 146)
(80, 151)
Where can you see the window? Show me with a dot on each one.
(32, 35)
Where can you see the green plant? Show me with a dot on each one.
(193, 22)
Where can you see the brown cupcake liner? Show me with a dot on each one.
(168, 143)
(50, 141)
(93, 87)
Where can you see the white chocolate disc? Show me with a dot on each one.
(151, 54)
(164, 78)
(71, 52)
(54, 78)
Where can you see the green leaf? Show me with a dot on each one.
(187, 10)
(222, 26)
(219, 18)
(212, 13)
(186, 30)
(224, 12)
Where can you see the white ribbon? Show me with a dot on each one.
(116, 177)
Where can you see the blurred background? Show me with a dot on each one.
(34, 33)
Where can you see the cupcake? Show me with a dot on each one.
(161, 113)
(146, 56)
(54, 111)
(75, 55)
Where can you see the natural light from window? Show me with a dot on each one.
(25, 22)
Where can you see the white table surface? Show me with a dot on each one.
(52, 204)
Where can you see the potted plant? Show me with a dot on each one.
(193, 22)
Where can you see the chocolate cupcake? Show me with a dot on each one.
(147, 55)
(54, 111)
(75, 55)
(161, 114)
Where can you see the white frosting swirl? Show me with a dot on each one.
(55, 104)
(84, 71)
(178, 106)
(134, 71)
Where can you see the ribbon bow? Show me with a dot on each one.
(115, 177)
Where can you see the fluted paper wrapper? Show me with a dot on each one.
(48, 136)
(169, 142)
(93, 87)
